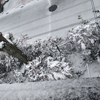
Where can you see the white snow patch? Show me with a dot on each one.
(50, 77)
(83, 46)
(1, 44)
(7, 36)
(28, 65)
(58, 76)
(51, 63)
(98, 59)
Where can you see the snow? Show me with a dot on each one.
(58, 76)
(7, 36)
(91, 40)
(50, 77)
(54, 58)
(51, 63)
(1, 44)
(28, 66)
(86, 52)
(98, 59)
(76, 29)
(83, 46)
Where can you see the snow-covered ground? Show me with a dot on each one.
(71, 89)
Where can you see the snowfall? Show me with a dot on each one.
(51, 59)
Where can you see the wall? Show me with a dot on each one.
(32, 17)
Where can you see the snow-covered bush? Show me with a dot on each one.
(49, 58)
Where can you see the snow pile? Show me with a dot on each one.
(87, 39)
(49, 59)
(53, 70)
